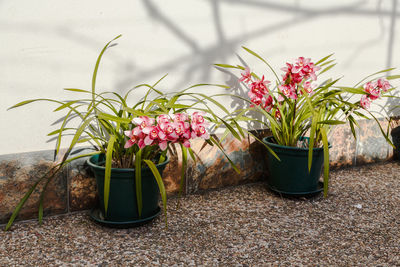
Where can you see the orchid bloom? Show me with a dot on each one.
(268, 104)
(163, 118)
(383, 84)
(259, 87)
(365, 102)
(151, 136)
(132, 139)
(372, 89)
(246, 76)
(143, 122)
(168, 131)
(180, 117)
(309, 87)
(200, 131)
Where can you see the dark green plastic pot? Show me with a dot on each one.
(396, 142)
(290, 175)
(122, 204)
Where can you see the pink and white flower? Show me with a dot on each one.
(246, 76)
(143, 122)
(373, 90)
(268, 104)
(288, 90)
(309, 87)
(365, 102)
(180, 117)
(199, 130)
(163, 118)
(383, 84)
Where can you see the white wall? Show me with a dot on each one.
(49, 45)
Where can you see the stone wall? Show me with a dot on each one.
(74, 188)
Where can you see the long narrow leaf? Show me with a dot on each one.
(107, 173)
(326, 160)
(138, 180)
(161, 186)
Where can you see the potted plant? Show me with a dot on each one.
(130, 143)
(300, 113)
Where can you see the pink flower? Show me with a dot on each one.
(186, 143)
(309, 87)
(288, 90)
(293, 74)
(163, 118)
(259, 87)
(268, 104)
(180, 117)
(197, 117)
(246, 76)
(163, 145)
(365, 102)
(134, 139)
(383, 84)
(143, 121)
(151, 136)
(199, 130)
(302, 62)
(302, 70)
(182, 129)
(372, 89)
(277, 114)
(167, 131)
(257, 100)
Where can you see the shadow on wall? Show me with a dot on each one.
(200, 59)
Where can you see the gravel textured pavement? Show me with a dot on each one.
(357, 225)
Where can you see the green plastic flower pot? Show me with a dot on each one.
(290, 175)
(396, 142)
(122, 203)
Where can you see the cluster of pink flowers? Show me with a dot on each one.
(295, 74)
(259, 92)
(179, 128)
(373, 90)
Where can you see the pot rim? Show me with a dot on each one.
(94, 165)
(267, 140)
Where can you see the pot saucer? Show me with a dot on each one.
(98, 217)
(319, 189)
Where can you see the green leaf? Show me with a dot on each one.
(393, 77)
(331, 122)
(352, 90)
(263, 60)
(373, 74)
(231, 129)
(183, 171)
(138, 180)
(327, 68)
(161, 186)
(106, 116)
(192, 154)
(323, 59)
(227, 157)
(107, 173)
(33, 100)
(27, 195)
(326, 160)
(76, 90)
(226, 66)
(98, 63)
